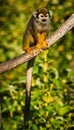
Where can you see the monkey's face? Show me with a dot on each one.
(42, 16)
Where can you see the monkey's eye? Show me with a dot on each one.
(46, 15)
(41, 15)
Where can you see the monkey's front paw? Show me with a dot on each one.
(44, 45)
(38, 46)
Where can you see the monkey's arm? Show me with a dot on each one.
(41, 40)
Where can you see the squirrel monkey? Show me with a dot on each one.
(35, 35)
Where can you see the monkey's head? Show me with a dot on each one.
(41, 15)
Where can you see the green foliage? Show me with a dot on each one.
(53, 78)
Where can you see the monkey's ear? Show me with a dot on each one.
(50, 13)
(35, 13)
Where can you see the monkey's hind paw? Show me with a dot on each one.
(29, 50)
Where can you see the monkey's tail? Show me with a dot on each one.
(28, 90)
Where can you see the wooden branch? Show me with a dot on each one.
(60, 32)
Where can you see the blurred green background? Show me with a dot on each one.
(52, 106)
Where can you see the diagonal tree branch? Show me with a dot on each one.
(59, 33)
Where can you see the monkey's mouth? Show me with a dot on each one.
(44, 21)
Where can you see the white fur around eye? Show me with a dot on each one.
(41, 15)
(46, 15)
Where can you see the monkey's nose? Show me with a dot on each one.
(44, 20)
